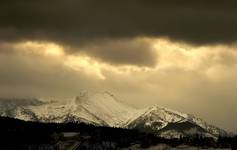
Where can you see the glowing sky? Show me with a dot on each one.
(182, 56)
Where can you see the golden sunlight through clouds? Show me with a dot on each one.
(170, 54)
(43, 48)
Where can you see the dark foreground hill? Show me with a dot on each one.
(17, 134)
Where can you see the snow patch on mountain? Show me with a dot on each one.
(104, 109)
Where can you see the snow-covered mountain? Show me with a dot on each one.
(104, 109)
(170, 123)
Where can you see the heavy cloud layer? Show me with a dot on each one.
(76, 23)
(197, 21)
(73, 21)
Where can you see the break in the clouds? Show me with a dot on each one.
(197, 80)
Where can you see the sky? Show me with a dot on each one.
(179, 54)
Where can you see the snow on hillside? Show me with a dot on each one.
(105, 107)
(157, 117)
(101, 109)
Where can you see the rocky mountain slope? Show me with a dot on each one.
(103, 109)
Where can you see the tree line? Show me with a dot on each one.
(18, 134)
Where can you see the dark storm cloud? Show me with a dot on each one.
(121, 52)
(196, 21)
(81, 22)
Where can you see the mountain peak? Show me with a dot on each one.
(83, 95)
(105, 110)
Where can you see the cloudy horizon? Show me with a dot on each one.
(179, 55)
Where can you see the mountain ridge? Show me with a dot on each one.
(103, 109)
